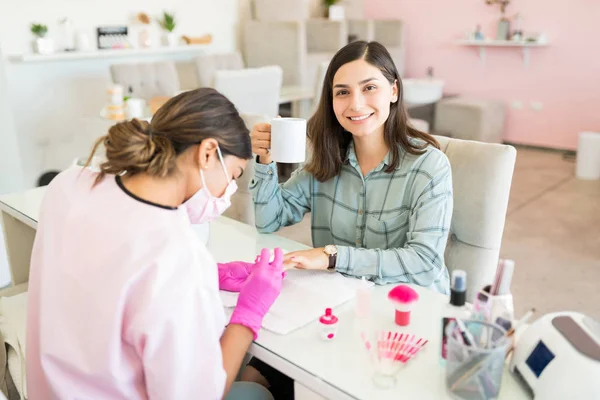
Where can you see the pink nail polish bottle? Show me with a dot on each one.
(328, 325)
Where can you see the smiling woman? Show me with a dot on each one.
(380, 191)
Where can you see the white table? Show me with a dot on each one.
(335, 370)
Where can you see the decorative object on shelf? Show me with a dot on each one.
(206, 39)
(41, 44)
(335, 12)
(503, 4)
(503, 29)
(113, 37)
(83, 42)
(144, 37)
(535, 38)
(517, 33)
(67, 36)
(504, 24)
(168, 24)
(478, 35)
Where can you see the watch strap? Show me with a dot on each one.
(332, 261)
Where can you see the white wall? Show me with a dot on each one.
(11, 173)
(195, 18)
(55, 105)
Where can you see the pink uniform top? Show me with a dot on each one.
(123, 298)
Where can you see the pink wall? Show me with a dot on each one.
(564, 77)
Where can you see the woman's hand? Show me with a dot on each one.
(261, 142)
(306, 259)
(259, 292)
(233, 275)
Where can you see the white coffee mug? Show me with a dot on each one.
(288, 140)
(135, 108)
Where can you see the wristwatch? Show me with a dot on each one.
(331, 252)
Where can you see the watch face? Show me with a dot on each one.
(330, 249)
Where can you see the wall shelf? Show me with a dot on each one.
(482, 44)
(107, 53)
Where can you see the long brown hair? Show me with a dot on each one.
(329, 140)
(185, 120)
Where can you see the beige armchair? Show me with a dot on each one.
(147, 79)
(482, 176)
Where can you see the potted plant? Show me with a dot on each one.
(41, 44)
(168, 24)
(334, 10)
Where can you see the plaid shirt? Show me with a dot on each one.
(389, 227)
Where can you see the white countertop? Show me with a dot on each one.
(343, 364)
(338, 369)
(24, 206)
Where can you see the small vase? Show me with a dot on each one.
(43, 46)
(170, 39)
(144, 38)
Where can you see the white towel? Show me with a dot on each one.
(304, 297)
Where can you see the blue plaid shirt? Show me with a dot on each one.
(389, 227)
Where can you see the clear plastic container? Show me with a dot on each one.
(493, 309)
(474, 370)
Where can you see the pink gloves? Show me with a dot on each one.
(259, 292)
(233, 275)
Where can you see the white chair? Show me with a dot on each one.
(148, 79)
(252, 90)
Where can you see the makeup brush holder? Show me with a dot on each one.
(494, 309)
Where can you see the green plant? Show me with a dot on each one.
(168, 21)
(330, 3)
(39, 30)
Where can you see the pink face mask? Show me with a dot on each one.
(203, 206)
